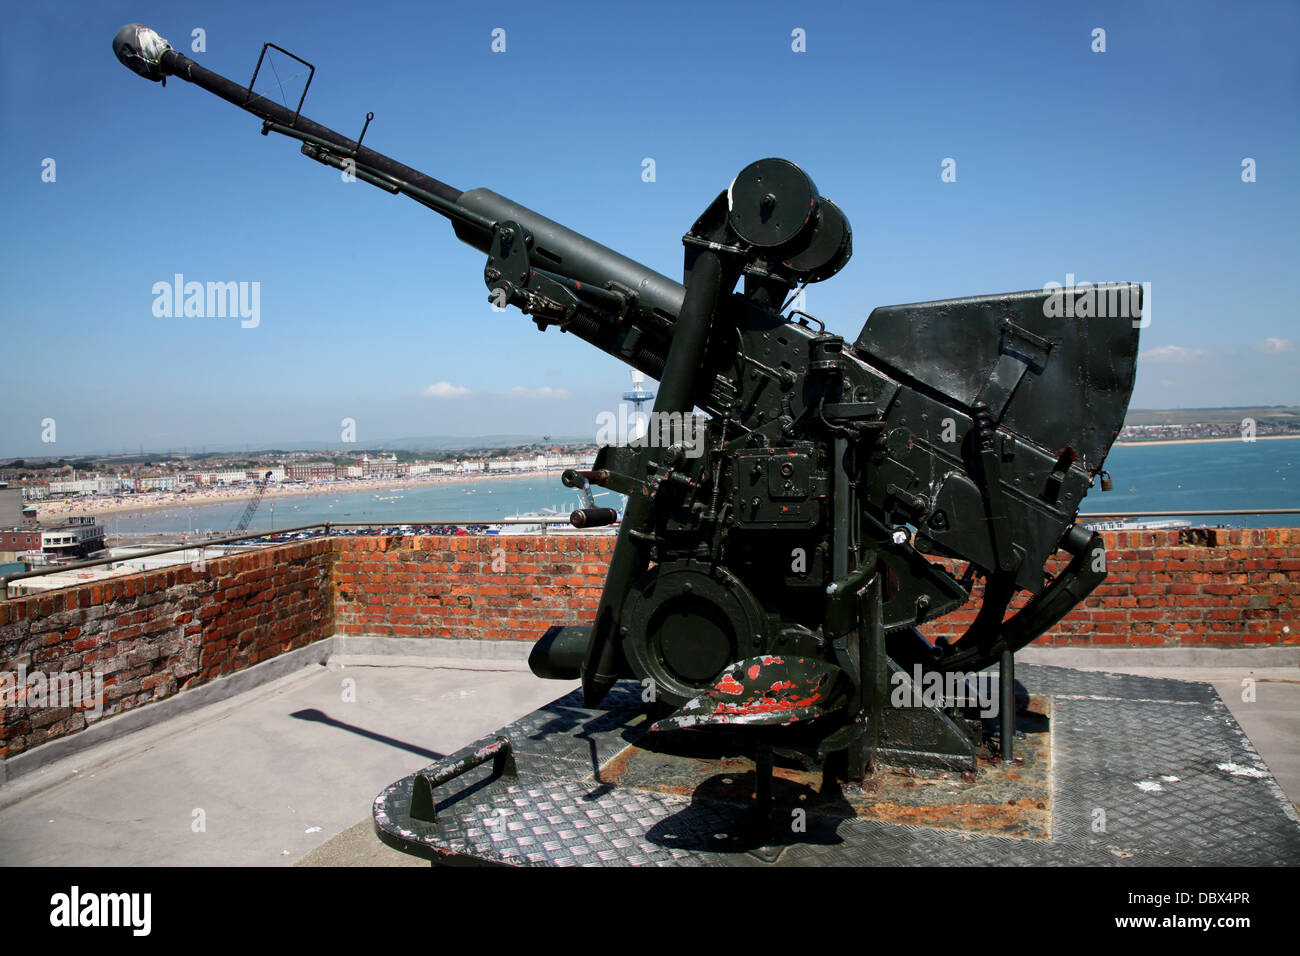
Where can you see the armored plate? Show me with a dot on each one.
(997, 348)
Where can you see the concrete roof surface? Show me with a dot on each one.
(286, 772)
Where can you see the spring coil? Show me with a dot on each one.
(588, 327)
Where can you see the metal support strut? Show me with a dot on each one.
(1007, 706)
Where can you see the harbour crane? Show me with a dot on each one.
(253, 502)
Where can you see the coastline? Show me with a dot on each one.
(1196, 441)
(47, 510)
(214, 496)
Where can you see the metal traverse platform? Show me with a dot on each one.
(1113, 770)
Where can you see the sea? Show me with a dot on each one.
(1152, 479)
(1202, 476)
(485, 500)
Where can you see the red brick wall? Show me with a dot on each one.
(1181, 588)
(159, 632)
(512, 587)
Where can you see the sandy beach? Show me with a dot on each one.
(104, 505)
(1197, 441)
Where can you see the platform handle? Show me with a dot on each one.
(500, 752)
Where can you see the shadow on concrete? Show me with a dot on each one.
(320, 717)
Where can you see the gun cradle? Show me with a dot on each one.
(773, 569)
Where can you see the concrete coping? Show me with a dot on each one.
(1171, 657)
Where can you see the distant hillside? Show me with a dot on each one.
(1273, 414)
(456, 443)
(449, 443)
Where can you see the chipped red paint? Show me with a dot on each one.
(764, 705)
(750, 692)
(729, 685)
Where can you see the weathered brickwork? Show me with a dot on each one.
(155, 634)
(511, 587)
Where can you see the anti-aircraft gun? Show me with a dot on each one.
(777, 560)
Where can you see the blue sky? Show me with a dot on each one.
(1122, 165)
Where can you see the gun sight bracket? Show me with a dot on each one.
(311, 74)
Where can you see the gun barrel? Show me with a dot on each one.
(590, 269)
(145, 52)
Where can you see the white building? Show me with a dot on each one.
(227, 476)
(257, 474)
(157, 483)
(86, 486)
(77, 537)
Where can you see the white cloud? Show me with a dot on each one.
(1175, 354)
(544, 392)
(1274, 345)
(445, 390)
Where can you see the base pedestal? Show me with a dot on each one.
(1110, 770)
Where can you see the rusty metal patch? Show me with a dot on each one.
(1003, 800)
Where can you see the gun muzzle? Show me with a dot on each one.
(140, 50)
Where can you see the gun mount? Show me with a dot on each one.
(777, 560)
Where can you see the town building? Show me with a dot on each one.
(227, 476)
(16, 541)
(157, 482)
(382, 467)
(257, 474)
(310, 471)
(93, 485)
(76, 537)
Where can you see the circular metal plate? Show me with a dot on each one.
(829, 248)
(686, 622)
(770, 202)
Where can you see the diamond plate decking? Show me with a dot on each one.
(1146, 772)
